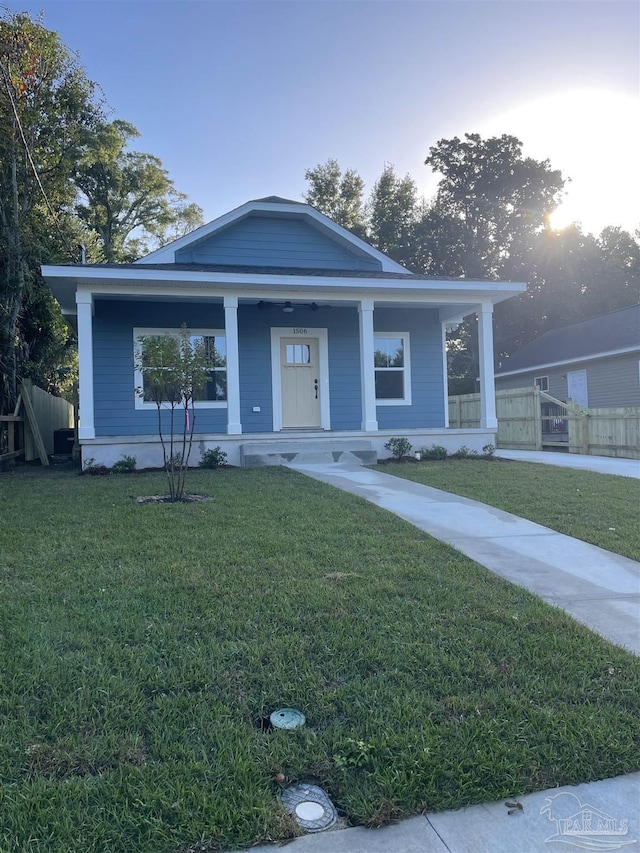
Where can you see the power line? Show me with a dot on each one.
(54, 215)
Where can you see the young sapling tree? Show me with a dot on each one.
(175, 370)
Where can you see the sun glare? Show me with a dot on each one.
(591, 136)
(563, 216)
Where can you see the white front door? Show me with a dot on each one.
(300, 383)
(577, 387)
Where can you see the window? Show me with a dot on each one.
(214, 393)
(542, 382)
(392, 369)
(298, 354)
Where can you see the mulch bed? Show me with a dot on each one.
(166, 499)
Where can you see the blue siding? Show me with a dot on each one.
(344, 368)
(427, 386)
(254, 330)
(113, 363)
(275, 241)
(115, 412)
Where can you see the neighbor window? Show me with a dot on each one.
(391, 363)
(214, 393)
(542, 382)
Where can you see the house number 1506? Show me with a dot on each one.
(299, 331)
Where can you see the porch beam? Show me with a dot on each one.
(367, 368)
(488, 418)
(84, 304)
(234, 426)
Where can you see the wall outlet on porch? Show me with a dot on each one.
(256, 408)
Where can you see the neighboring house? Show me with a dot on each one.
(595, 363)
(318, 336)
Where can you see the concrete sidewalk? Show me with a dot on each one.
(599, 589)
(601, 464)
(612, 804)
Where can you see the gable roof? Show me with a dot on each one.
(607, 334)
(279, 207)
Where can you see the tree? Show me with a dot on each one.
(128, 193)
(496, 197)
(392, 213)
(47, 111)
(337, 195)
(175, 370)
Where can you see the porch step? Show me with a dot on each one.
(355, 451)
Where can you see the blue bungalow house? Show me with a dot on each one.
(322, 342)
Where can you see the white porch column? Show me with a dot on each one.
(445, 373)
(367, 370)
(234, 427)
(488, 418)
(84, 303)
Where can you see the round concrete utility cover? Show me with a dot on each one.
(287, 718)
(310, 806)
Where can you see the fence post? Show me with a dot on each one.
(578, 429)
(584, 429)
(537, 418)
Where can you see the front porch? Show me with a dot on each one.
(107, 450)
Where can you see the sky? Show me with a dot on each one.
(239, 98)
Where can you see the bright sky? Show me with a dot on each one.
(239, 98)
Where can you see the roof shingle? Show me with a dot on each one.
(617, 330)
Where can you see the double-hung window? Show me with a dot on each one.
(392, 368)
(213, 341)
(542, 382)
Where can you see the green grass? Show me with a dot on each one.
(599, 508)
(140, 644)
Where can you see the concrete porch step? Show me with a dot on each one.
(307, 451)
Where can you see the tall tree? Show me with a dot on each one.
(128, 198)
(47, 111)
(392, 213)
(496, 196)
(337, 195)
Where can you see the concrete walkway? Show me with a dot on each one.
(599, 589)
(601, 464)
(491, 829)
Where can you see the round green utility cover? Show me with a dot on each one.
(287, 718)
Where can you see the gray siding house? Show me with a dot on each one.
(317, 337)
(595, 363)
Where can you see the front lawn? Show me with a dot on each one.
(141, 645)
(599, 508)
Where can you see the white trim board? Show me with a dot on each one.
(566, 361)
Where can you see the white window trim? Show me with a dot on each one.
(535, 382)
(406, 400)
(140, 402)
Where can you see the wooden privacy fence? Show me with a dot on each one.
(29, 430)
(530, 419)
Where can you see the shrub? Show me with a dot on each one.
(213, 458)
(436, 451)
(489, 449)
(465, 453)
(126, 465)
(399, 447)
(92, 470)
